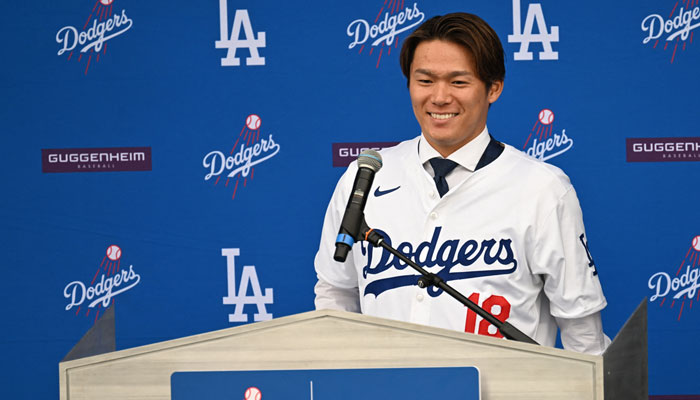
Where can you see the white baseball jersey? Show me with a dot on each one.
(510, 238)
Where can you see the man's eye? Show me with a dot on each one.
(460, 83)
(425, 81)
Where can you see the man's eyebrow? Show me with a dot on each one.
(448, 75)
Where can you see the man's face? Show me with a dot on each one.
(449, 100)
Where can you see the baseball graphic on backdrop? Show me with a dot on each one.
(114, 252)
(253, 122)
(106, 2)
(546, 116)
(696, 243)
(253, 393)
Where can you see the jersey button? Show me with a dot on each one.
(433, 215)
(431, 195)
(419, 297)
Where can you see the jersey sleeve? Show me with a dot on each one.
(562, 258)
(329, 297)
(584, 335)
(331, 273)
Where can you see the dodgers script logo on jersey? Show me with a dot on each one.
(392, 19)
(241, 20)
(106, 25)
(525, 36)
(241, 160)
(450, 254)
(249, 279)
(676, 30)
(683, 285)
(546, 143)
(110, 280)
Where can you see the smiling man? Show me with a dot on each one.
(450, 100)
(503, 229)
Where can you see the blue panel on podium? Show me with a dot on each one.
(368, 384)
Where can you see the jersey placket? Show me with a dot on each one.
(421, 301)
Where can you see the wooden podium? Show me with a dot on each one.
(336, 340)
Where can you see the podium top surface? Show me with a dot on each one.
(333, 319)
(326, 339)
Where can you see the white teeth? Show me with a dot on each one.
(442, 116)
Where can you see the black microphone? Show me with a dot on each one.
(369, 162)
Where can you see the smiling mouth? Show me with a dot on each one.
(442, 116)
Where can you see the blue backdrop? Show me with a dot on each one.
(84, 82)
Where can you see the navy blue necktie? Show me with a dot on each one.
(442, 167)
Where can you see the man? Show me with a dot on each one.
(503, 229)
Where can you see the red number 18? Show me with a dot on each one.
(496, 305)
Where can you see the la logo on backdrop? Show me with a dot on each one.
(110, 279)
(380, 33)
(91, 38)
(676, 30)
(525, 35)
(543, 141)
(241, 24)
(249, 150)
(681, 286)
(238, 295)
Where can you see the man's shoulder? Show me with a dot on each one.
(396, 158)
(534, 172)
(402, 149)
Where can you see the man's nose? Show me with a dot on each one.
(441, 94)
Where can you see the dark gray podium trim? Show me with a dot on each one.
(98, 340)
(625, 361)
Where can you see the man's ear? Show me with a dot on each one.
(494, 91)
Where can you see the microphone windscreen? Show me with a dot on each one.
(370, 159)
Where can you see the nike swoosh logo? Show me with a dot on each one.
(378, 193)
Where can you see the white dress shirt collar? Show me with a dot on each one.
(467, 156)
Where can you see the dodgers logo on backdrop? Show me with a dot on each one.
(102, 25)
(681, 286)
(526, 36)
(543, 141)
(381, 32)
(110, 280)
(676, 30)
(248, 151)
(249, 280)
(251, 41)
(490, 257)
